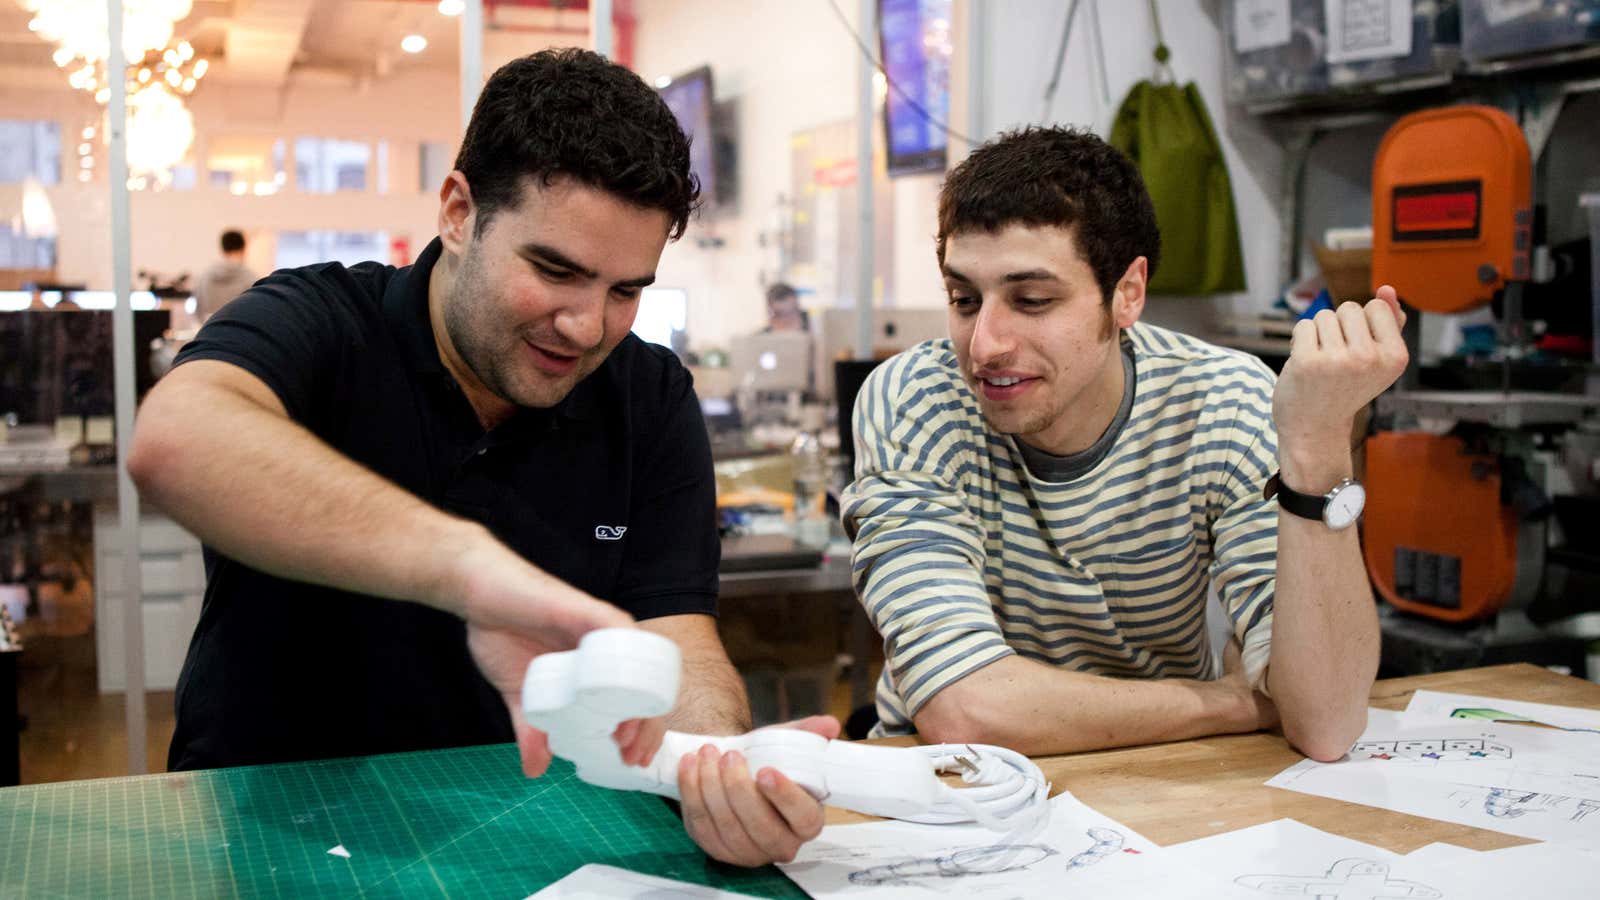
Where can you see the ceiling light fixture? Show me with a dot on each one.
(452, 7)
(413, 43)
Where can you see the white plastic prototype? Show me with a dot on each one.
(578, 697)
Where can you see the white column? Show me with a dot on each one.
(867, 27)
(602, 29)
(471, 58)
(123, 353)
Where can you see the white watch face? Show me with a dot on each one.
(1345, 503)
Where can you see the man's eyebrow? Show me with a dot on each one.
(556, 257)
(1009, 277)
(1030, 275)
(552, 255)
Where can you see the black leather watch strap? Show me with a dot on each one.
(1306, 506)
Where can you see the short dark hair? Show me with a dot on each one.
(232, 241)
(1062, 177)
(573, 113)
(781, 291)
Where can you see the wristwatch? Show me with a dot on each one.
(1339, 508)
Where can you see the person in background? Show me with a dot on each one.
(1043, 502)
(410, 482)
(224, 279)
(783, 310)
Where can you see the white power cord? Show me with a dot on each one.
(578, 698)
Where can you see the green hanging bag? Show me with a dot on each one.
(1167, 132)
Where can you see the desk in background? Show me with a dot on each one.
(827, 583)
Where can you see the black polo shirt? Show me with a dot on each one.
(611, 491)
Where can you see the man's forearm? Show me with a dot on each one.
(219, 455)
(711, 695)
(711, 700)
(1324, 621)
(1039, 710)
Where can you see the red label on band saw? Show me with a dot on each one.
(1431, 212)
(1438, 212)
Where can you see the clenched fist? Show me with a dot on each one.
(1338, 363)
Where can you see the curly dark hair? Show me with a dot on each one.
(572, 112)
(1059, 177)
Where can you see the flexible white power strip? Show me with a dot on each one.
(578, 697)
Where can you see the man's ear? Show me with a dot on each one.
(457, 214)
(1127, 302)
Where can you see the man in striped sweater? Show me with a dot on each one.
(1043, 502)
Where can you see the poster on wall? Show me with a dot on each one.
(1260, 24)
(1368, 29)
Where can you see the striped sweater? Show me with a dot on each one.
(962, 557)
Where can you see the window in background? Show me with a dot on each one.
(383, 167)
(328, 165)
(303, 248)
(30, 149)
(246, 164)
(20, 252)
(433, 164)
(663, 316)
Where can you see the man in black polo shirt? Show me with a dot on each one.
(412, 481)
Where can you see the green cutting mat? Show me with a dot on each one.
(446, 823)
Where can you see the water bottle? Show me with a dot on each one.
(810, 488)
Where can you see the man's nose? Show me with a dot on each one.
(993, 335)
(582, 323)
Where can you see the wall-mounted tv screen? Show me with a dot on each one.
(914, 43)
(690, 98)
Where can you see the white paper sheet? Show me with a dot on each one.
(1367, 29)
(1534, 782)
(597, 882)
(1439, 705)
(1439, 854)
(1260, 24)
(900, 859)
(1288, 858)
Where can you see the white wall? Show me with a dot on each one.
(1023, 36)
(793, 67)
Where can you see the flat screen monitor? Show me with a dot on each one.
(914, 44)
(776, 361)
(893, 330)
(663, 316)
(690, 98)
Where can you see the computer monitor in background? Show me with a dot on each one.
(663, 317)
(775, 362)
(690, 97)
(848, 376)
(893, 330)
(916, 49)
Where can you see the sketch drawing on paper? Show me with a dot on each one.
(1106, 842)
(1442, 750)
(1501, 717)
(990, 860)
(1504, 803)
(1347, 879)
(973, 861)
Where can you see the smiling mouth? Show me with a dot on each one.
(552, 362)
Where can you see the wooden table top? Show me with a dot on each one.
(1185, 790)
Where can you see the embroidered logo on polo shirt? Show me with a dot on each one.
(609, 532)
